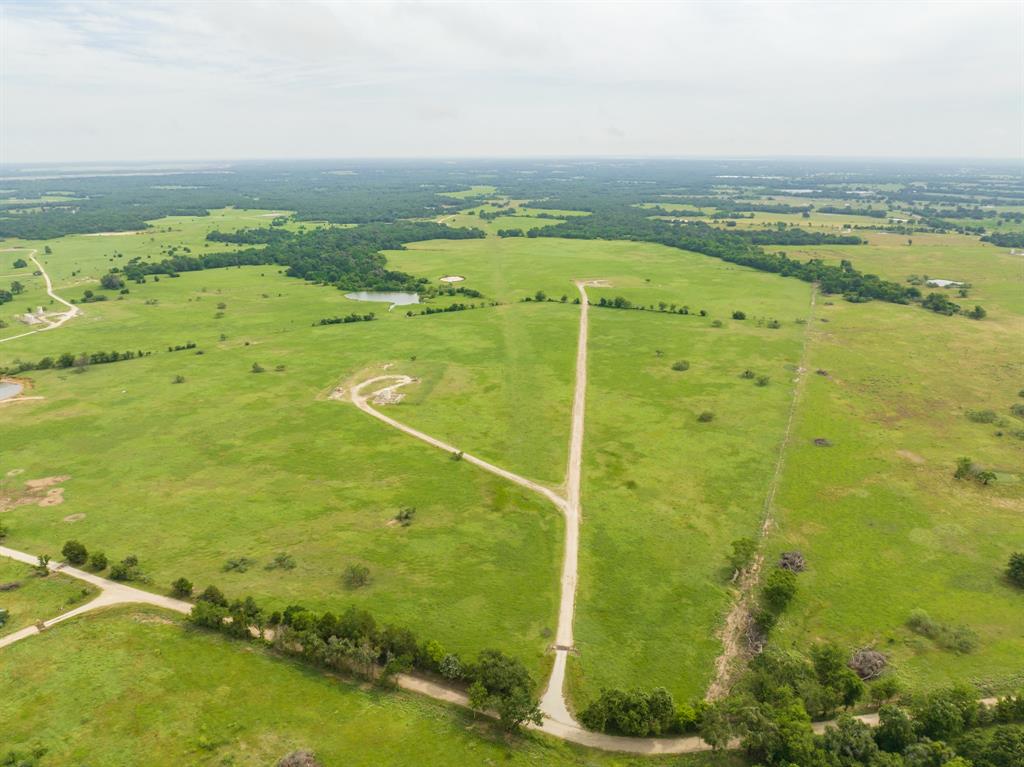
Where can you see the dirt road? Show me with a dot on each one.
(72, 312)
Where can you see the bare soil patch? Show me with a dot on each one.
(912, 457)
(114, 234)
(74, 517)
(40, 492)
(45, 482)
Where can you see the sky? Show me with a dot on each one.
(99, 81)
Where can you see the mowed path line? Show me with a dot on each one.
(72, 312)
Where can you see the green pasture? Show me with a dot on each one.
(142, 687)
(36, 599)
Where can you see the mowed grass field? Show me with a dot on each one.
(36, 599)
(141, 688)
(883, 524)
(663, 494)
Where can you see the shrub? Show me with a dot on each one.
(356, 576)
(42, 565)
(4, 531)
(238, 564)
(178, 379)
(681, 365)
(257, 367)
(737, 315)
(282, 561)
(181, 588)
(451, 667)
(634, 712)
(405, 516)
(214, 596)
(98, 561)
(747, 374)
(1015, 569)
(120, 572)
(743, 551)
(982, 416)
(706, 417)
(762, 380)
(75, 553)
(779, 590)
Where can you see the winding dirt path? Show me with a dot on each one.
(111, 593)
(72, 312)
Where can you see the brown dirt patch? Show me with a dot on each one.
(54, 497)
(15, 472)
(45, 482)
(912, 457)
(74, 517)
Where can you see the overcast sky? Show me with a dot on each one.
(208, 80)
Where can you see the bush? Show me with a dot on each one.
(98, 561)
(737, 315)
(959, 639)
(75, 553)
(778, 591)
(356, 576)
(238, 564)
(181, 588)
(635, 712)
(282, 561)
(451, 667)
(120, 572)
(706, 417)
(743, 551)
(257, 367)
(982, 416)
(214, 596)
(178, 379)
(681, 365)
(747, 374)
(762, 380)
(1015, 569)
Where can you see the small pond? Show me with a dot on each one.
(393, 299)
(9, 389)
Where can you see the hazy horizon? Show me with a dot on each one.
(159, 82)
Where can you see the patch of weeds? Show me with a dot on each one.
(239, 564)
(405, 516)
(958, 639)
(282, 561)
(356, 576)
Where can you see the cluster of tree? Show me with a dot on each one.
(20, 263)
(354, 643)
(771, 710)
(1005, 239)
(456, 307)
(631, 224)
(449, 290)
(794, 235)
(849, 210)
(182, 347)
(353, 317)
(75, 553)
(638, 713)
(89, 297)
(68, 360)
(510, 233)
(349, 259)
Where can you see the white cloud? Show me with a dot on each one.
(98, 81)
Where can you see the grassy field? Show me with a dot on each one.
(169, 472)
(142, 688)
(663, 494)
(36, 599)
(884, 526)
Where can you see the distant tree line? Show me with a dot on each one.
(69, 360)
(346, 258)
(346, 320)
(632, 224)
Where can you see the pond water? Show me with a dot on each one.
(8, 390)
(394, 299)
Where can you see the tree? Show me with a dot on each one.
(111, 281)
(743, 552)
(74, 552)
(451, 667)
(356, 576)
(47, 250)
(20, 263)
(851, 742)
(17, 288)
(1015, 569)
(42, 565)
(985, 476)
(257, 367)
(181, 588)
(214, 596)
(895, 729)
(738, 315)
(779, 590)
(681, 365)
(98, 561)
(977, 313)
